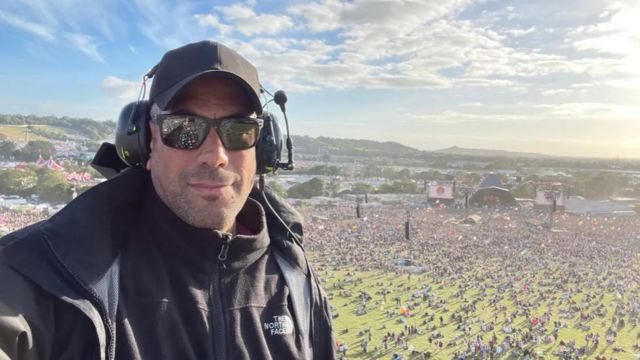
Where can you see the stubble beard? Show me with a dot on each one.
(209, 212)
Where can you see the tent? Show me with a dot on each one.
(493, 196)
(490, 180)
(491, 192)
(50, 164)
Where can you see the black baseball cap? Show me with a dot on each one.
(180, 66)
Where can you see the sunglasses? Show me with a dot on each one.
(188, 132)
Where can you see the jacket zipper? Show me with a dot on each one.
(215, 294)
(224, 249)
(94, 299)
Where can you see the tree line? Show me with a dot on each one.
(319, 187)
(29, 152)
(50, 186)
(595, 185)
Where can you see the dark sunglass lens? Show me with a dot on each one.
(238, 134)
(183, 132)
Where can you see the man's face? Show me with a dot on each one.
(208, 186)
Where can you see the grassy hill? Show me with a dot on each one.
(19, 133)
(13, 126)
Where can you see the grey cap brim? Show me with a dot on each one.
(164, 99)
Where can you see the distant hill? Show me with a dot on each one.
(354, 147)
(18, 133)
(357, 147)
(32, 127)
(455, 150)
(16, 127)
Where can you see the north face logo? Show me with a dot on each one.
(281, 325)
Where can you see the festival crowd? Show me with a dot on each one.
(505, 287)
(14, 218)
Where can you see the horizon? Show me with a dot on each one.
(558, 79)
(511, 151)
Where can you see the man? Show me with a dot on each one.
(176, 261)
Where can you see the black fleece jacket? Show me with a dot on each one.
(116, 275)
(174, 285)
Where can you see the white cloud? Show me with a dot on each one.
(236, 11)
(243, 19)
(86, 44)
(121, 89)
(519, 32)
(554, 92)
(374, 43)
(100, 18)
(461, 117)
(630, 83)
(407, 44)
(290, 63)
(383, 44)
(599, 112)
(333, 14)
(319, 17)
(618, 33)
(168, 25)
(17, 22)
(213, 21)
(616, 38)
(468, 54)
(64, 23)
(479, 82)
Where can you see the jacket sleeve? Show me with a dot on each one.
(323, 337)
(23, 315)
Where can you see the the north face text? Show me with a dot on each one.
(281, 325)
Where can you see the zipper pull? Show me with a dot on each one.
(222, 256)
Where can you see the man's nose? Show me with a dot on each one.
(212, 151)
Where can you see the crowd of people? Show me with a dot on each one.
(507, 286)
(14, 218)
(504, 287)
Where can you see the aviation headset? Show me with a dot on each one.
(133, 135)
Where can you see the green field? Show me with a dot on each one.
(17, 133)
(348, 325)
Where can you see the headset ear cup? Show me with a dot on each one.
(132, 134)
(269, 146)
(144, 136)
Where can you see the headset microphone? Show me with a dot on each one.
(280, 98)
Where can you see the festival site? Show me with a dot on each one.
(412, 279)
(500, 288)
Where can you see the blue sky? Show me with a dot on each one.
(557, 77)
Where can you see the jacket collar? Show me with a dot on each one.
(198, 247)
